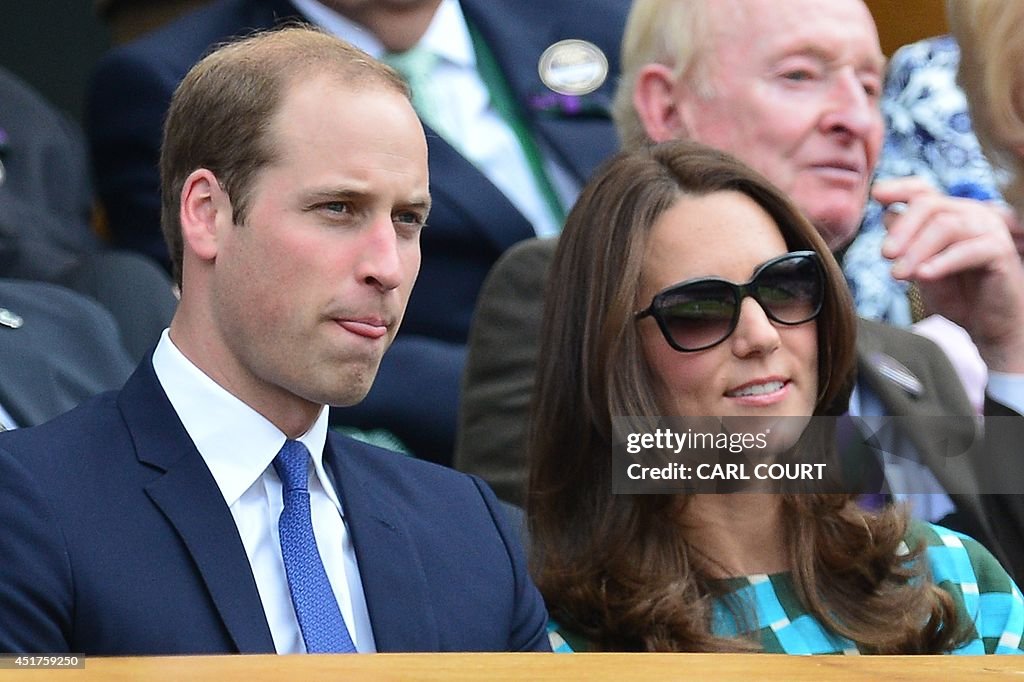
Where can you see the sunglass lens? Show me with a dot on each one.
(698, 315)
(791, 290)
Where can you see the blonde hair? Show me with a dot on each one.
(669, 32)
(991, 73)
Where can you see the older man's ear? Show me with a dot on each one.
(659, 99)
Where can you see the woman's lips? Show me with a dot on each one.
(759, 393)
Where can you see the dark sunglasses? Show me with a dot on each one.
(703, 312)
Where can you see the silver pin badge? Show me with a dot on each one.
(896, 372)
(9, 319)
(573, 67)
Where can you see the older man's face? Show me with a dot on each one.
(795, 94)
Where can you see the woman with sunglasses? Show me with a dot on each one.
(686, 285)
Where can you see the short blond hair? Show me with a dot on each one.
(991, 73)
(670, 32)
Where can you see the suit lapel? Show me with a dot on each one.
(917, 416)
(190, 499)
(466, 190)
(394, 582)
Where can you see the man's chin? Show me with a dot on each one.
(349, 387)
(835, 212)
(837, 228)
(346, 399)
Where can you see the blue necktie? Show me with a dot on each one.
(320, 620)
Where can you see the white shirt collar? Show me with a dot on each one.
(236, 442)
(447, 36)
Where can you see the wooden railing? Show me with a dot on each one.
(554, 667)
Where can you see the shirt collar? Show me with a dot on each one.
(236, 442)
(447, 36)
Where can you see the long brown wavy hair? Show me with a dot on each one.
(617, 569)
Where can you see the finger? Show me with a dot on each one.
(1013, 224)
(966, 216)
(939, 231)
(904, 224)
(890, 212)
(1008, 215)
(902, 189)
(961, 256)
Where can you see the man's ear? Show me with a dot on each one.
(655, 97)
(205, 211)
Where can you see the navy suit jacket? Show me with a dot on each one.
(116, 540)
(471, 224)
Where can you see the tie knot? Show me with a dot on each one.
(291, 465)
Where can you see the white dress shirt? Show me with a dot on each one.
(6, 420)
(239, 445)
(485, 138)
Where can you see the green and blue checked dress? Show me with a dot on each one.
(985, 595)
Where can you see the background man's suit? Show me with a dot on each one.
(501, 365)
(67, 349)
(117, 540)
(470, 225)
(46, 197)
(46, 203)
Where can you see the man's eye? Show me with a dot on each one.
(798, 75)
(872, 89)
(409, 218)
(336, 207)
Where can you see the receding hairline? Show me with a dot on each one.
(301, 48)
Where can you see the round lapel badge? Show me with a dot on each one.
(573, 67)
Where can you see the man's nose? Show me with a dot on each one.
(380, 264)
(850, 108)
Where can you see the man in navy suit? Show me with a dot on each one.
(205, 507)
(488, 192)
